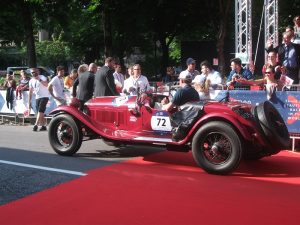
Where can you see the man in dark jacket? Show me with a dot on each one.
(288, 55)
(104, 80)
(85, 81)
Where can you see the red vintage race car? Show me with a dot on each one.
(219, 133)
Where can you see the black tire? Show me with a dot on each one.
(217, 148)
(272, 125)
(64, 134)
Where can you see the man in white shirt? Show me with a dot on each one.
(56, 87)
(38, 85)
(191, 68)
(136, 82)
(208, 73)
(119, 77)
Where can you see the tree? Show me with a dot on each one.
(28, 31)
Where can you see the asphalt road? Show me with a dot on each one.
(28, 164)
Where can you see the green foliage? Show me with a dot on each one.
(175, 51)
(11, 56)
(76, 27)
(52, 53)
(2, 82)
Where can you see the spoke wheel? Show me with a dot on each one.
(217, 148)
(64, 135)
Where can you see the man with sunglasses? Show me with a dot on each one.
(38, 85)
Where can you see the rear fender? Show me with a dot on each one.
(224, 117)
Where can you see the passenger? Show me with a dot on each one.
(38, 85)
(69, 80)
(237, 71)
(136, 82)
(23, 84)
(191, 68)
(56, 87)
(85, 83)
(183, 95)
(214, 77)
(104, 80)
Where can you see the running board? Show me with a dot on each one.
(164, 140)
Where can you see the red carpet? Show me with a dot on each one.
(168, 188)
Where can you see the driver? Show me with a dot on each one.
(136, 82)
(183, 95)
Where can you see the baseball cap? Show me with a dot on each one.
(200, 79)
(185, 75)
(190, 61)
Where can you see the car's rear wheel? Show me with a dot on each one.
(64, 135)
(217, 148)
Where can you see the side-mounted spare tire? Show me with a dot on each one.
(272, 126)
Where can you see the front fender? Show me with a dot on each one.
(78, 115)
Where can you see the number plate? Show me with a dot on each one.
(160, 121)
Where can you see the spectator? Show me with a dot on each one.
(23, 84)
(85, 83)
(118, 77)
(208, 73)
(56, 87)
(296, 21)
(10, 85)
(237, 71)
(93, 68)
(290, 29)
(104, 80)
(288, 55)
(170, 75)
(202, 87)
(269, 78)
(191, 68)
(129, 72)
(136, 82)
(272, 62)
(269, 81)
(185, 94)
(69, 80)
(38, 85)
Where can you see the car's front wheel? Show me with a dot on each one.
(65, 137)
(217, 148)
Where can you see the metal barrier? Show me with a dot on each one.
(294, 137)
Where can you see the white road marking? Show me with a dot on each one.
(43, 168)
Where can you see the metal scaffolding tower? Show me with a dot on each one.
(243, 30)
(243, 27)
(271, 21)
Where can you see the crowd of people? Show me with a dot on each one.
(92, 80)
